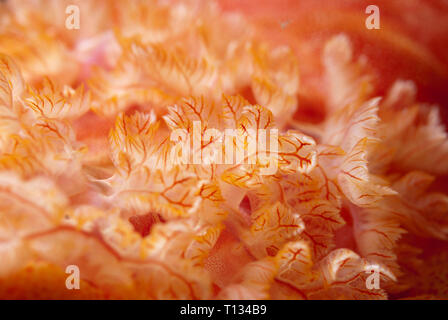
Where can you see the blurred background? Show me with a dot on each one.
(411, 44)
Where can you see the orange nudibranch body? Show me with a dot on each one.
(360, 152)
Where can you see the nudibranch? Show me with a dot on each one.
(87, 176)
